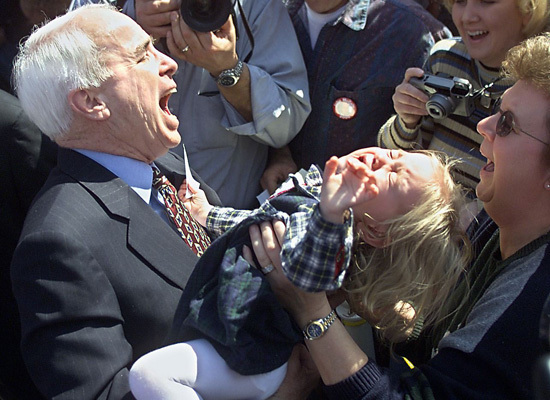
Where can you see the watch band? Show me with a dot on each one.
(230, 77)
(317, 328)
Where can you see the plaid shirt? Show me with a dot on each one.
(315, 253)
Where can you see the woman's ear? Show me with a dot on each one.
(87, 103)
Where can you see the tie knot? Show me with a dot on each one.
(158, 178)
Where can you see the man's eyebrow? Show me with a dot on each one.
(142, 48)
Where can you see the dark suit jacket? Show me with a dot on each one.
(26, 159)
(97, 276)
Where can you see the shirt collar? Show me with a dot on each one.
(136, 174)
(355, 14)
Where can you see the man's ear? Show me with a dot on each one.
(88, 104)
(373, 234)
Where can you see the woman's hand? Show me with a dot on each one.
(197, 204)
(301, 378)
(335, 354)
(303, 306)
(409, 102)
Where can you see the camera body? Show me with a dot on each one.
(448, 95)
(206, 15)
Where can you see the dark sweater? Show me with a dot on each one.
(492, 348)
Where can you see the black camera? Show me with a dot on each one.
(206, 15)
(448, 95)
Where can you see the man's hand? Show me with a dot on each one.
(280, 165)
(198, 204)
(213, 51)
(154, 16)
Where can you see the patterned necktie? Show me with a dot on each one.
(190, 230)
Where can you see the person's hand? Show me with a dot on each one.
(154, 16)
(213, 51)
(301, 378)
(279, 167)
(353, 184)
(409, 102)
(197, 204)
(266, 241)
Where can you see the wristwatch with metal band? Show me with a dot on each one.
(317, 328)
(230, 77)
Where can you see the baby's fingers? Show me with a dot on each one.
(330, 167)
(182, 191)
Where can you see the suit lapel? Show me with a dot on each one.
(147, 235)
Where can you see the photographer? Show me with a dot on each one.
(228, 125)
(476, 56)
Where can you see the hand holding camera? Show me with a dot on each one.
(408, 101)
(154, 16)
(448, 95)
(435, 95)
(214, 51)
(206, 32)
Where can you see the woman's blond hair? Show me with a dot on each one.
(530, 62)
(425, 255)
(538, 9)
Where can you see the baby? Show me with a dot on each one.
(393, 216)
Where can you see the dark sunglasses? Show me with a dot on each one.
(506, 123)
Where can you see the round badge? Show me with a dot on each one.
(344, 108)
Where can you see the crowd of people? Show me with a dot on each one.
(141, 259)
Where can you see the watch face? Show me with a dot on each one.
(314, 330)
(227, 80)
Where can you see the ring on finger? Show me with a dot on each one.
(267, 270)
(185, 49)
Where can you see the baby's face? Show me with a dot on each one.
(399, 177)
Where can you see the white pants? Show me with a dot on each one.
(194, 370)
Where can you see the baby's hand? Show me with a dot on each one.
(197, 204)
(353, 185)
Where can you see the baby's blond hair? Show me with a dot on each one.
(426, 254)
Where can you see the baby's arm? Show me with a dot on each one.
(344, 189)
(197, 204)
(215, 219)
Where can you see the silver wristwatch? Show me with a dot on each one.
(230, 77)
(317, 328)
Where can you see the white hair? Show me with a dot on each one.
(56, 59)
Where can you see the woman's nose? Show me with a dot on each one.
(487, 127)
(470, 13)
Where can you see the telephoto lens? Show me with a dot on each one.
(206, 15)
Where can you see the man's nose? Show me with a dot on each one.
(168, 65)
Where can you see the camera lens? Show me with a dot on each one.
(440, 106)
(206, 15)
(201, 8)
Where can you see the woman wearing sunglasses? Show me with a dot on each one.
(491, 339)
(488, 29)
